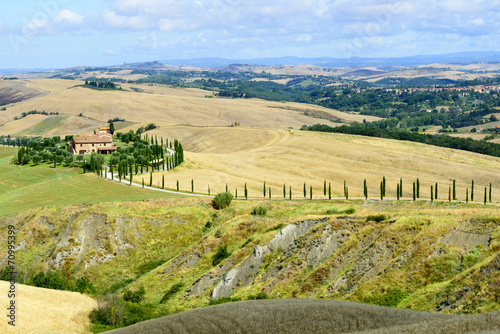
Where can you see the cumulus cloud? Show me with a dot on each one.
(62, 21)
(67, 16)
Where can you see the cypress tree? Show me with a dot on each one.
(400, 187)
(264, 189)
(467, 196)
(397, 191)
(305, 193)
(345, 189)
(208, 190)
(143, 182)
(269, 192)
(290, 193)
(177, 185)
(310, 192)
(365, 189)
(472, 191)
(131, 176)
(449, 193)
(436, 191)
(236, 193)
(383, 186)
(324, 187)
(226, 188)
(454, 190)
(329, 190)
(192, 185)
(432, 193)
(381, 190)
(414, 192)
(490, 194)
(246, 191)
(485, 190)
(418, 188)
(284, 191)
(347, 193)
(163, 181)
(151, 179)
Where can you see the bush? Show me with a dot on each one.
(52, 280)
(171, 292)
(348, 211)
(260, 210)
(391, 298)
(376, 218)
(148, 266)
(220, 255)
(222, 200)
(134, 296)
(223, 300)
(260, 295)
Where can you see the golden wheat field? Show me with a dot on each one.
(262, 149)
(44, 311)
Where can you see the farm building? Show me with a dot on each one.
(89, 143)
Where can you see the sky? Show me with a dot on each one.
(65, 33)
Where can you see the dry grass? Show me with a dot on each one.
(47, 311)
(312, 316)
(216, 156)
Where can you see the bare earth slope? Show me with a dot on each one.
(301, 316)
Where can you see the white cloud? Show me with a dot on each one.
(135, 22)
(36, 27)
(67, 16)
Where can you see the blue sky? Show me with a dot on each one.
(64, 33)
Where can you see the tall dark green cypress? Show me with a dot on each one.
(324, 187)
(208, 190)
(467, 196)
(329, 190)
(432, 193)
(454, 190)
(264, 189)
(235, 193)
(290, 193)
(143, 182)
(310, 192)
(383, 186)
(414, 191)
(226, 188)
(472, 191)
(177, 185)
(401, 187)
(347, 193)
(150, 179)
(397, 191)
(246, 191)
(284, 191)
(305, 193)
(490, 194)
(163, 182)
(436, 191)
(485, 198)
(418, 188)
(269, 192)
(365, 189)
(381, 190)
(192, 185)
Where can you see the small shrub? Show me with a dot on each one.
(172, 291)
(148, 266)
(222, 200)
(260, 295)
(223, 300)
(208, 226)
(376, 218)
(274, 228)
(391, 298)
(260, 210)
(220, 255)
(134, 296)
(118, 285)
(334, 211)
(249, 240)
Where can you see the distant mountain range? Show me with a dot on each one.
(449, 58)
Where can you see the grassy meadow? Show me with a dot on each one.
(29, 187)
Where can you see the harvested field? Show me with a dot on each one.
(312, 316)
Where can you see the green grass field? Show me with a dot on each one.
(29, 187)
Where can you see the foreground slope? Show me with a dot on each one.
(45, 311)
(299, 316)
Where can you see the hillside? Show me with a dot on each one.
(47, 311)
(299, 316)
(161, 104)
(421, 256)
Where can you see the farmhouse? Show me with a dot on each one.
(89, 143)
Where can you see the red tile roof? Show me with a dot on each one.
(92, 138)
